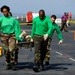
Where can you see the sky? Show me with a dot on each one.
(57, 7)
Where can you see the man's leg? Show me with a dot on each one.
(65, 27)
(47, 57)
(37, 55)
(12, 44)
(62, 26)
(4, 40)
(16, 54)
(43, 51)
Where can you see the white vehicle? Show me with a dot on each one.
(35, 15)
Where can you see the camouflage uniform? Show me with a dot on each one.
(8, 43)
(47, 57)
(40, 48)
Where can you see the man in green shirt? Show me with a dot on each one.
(56, 28)
(40, 32)
(10, 29)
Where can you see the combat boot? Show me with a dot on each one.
(38, 67)
(13, 66)
(8, 67)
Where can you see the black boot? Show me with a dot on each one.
(8, 67)
(37, 67)
(13, 66)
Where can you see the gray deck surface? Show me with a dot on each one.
(62, 57)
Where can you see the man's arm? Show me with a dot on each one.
(17, 30)
(59, 33)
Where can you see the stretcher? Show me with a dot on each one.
(26, 41)
(26, 45)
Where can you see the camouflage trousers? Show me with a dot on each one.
(63, 26)
(47, 57)
(9, 43)
(16, 54)
(40, 48)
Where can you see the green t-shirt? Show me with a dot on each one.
(9, 25)
(41, 27)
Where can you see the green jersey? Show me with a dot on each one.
(9, 25)
(41, 27)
